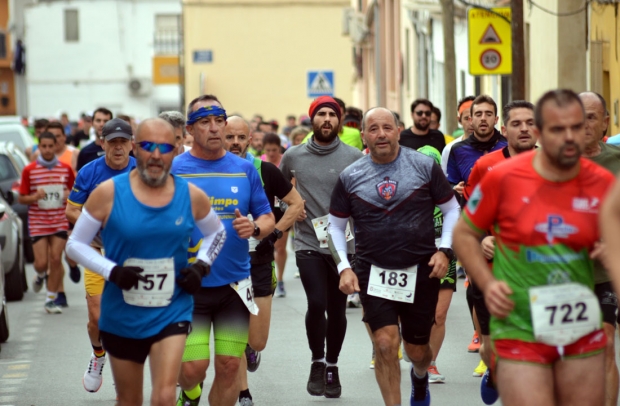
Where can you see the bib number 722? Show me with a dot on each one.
(567, 309)
(392, 278)
(151, 280)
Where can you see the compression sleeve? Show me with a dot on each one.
(214, 236)
(337, 241)
(78, 248)
(451, 211)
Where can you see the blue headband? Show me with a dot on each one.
(205, 111)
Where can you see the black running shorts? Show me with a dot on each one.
(263, 279)
(608, 300)
(416, 319)
(137, 350)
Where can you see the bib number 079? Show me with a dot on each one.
(392, 278)
(567, 310)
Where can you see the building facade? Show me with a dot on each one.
(83, 54)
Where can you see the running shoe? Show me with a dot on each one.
(332, 383)
(372, 361)
(280, 292)
(75, 274)
(420, 394)
(246, 402)
(92, 377)
(37, 283)
(52, 308)
(185, 401)
(480, 369)
(252, 357)
(61, 300)
(488, 392)
(474, 346)
(316, 382)
(460, 272)
(434, 376)
(354, 300)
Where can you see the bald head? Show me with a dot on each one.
(237, 136)
(597, 117)
(378, 111)
(155, 127)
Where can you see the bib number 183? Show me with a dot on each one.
(392, 278)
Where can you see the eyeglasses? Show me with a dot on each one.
(151, 146)
(420, 113)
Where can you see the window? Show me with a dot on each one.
(167, 34)
(72, 32)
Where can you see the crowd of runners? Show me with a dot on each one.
(181, 225)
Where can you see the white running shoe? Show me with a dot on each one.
(354, 300)
(92, 377)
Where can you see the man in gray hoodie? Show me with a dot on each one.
(314, 168)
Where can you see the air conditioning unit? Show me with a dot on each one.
(139, 87)
(358, 31)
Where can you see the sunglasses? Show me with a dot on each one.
(151, 146)
(420, 113)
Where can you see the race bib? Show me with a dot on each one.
(320, 229)
(562, 314)
(246, 293)
(54, 197)
(158, 289)
(393, 284)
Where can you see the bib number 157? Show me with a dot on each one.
(152, 280)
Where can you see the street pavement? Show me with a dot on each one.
(46, 355)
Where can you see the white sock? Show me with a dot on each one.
(319, 360)
(41, 274)
(50, 297)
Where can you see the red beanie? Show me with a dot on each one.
(324, 101)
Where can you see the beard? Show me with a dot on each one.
(318, 134)
(564, 162)
(150, 181)
(420, 126)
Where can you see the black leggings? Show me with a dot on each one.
(320, 279)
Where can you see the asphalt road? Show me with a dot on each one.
(46, 355)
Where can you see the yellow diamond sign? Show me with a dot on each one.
(490, 41)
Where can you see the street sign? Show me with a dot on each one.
(320, 83)
(204, 56)
(490, 41)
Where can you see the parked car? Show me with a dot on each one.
(12, 252)
(12, 163)
(4, 314)
(16, 133)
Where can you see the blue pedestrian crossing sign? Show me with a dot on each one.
(320, 83)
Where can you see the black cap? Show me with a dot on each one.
(117, 128)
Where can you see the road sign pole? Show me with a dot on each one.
(518, 51)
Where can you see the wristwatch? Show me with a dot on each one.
(256, 230)
(448, 252)
(278, 233)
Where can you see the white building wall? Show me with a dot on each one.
(115, 44)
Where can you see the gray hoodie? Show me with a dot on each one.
(316, 170)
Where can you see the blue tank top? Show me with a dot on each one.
(135, 230)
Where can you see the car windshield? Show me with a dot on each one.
(14, 137)
(7, 170)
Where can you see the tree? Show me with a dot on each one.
(449, 66)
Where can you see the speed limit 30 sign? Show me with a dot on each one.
(490, 41)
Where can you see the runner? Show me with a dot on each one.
(315, 166)
(147, 217)
(347, 134)
(421, 134)
(177, 121)
(40, 126)
(45, 185)
(391, 195)
(542, 207)
(447, 287)
(117, 142)
(67, 154)
(608, 156)
(94, 150)
(225, 299)
(518, 128)
(237, 141)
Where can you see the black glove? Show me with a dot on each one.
(192, 276)
(126, 277)
(265, 246)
